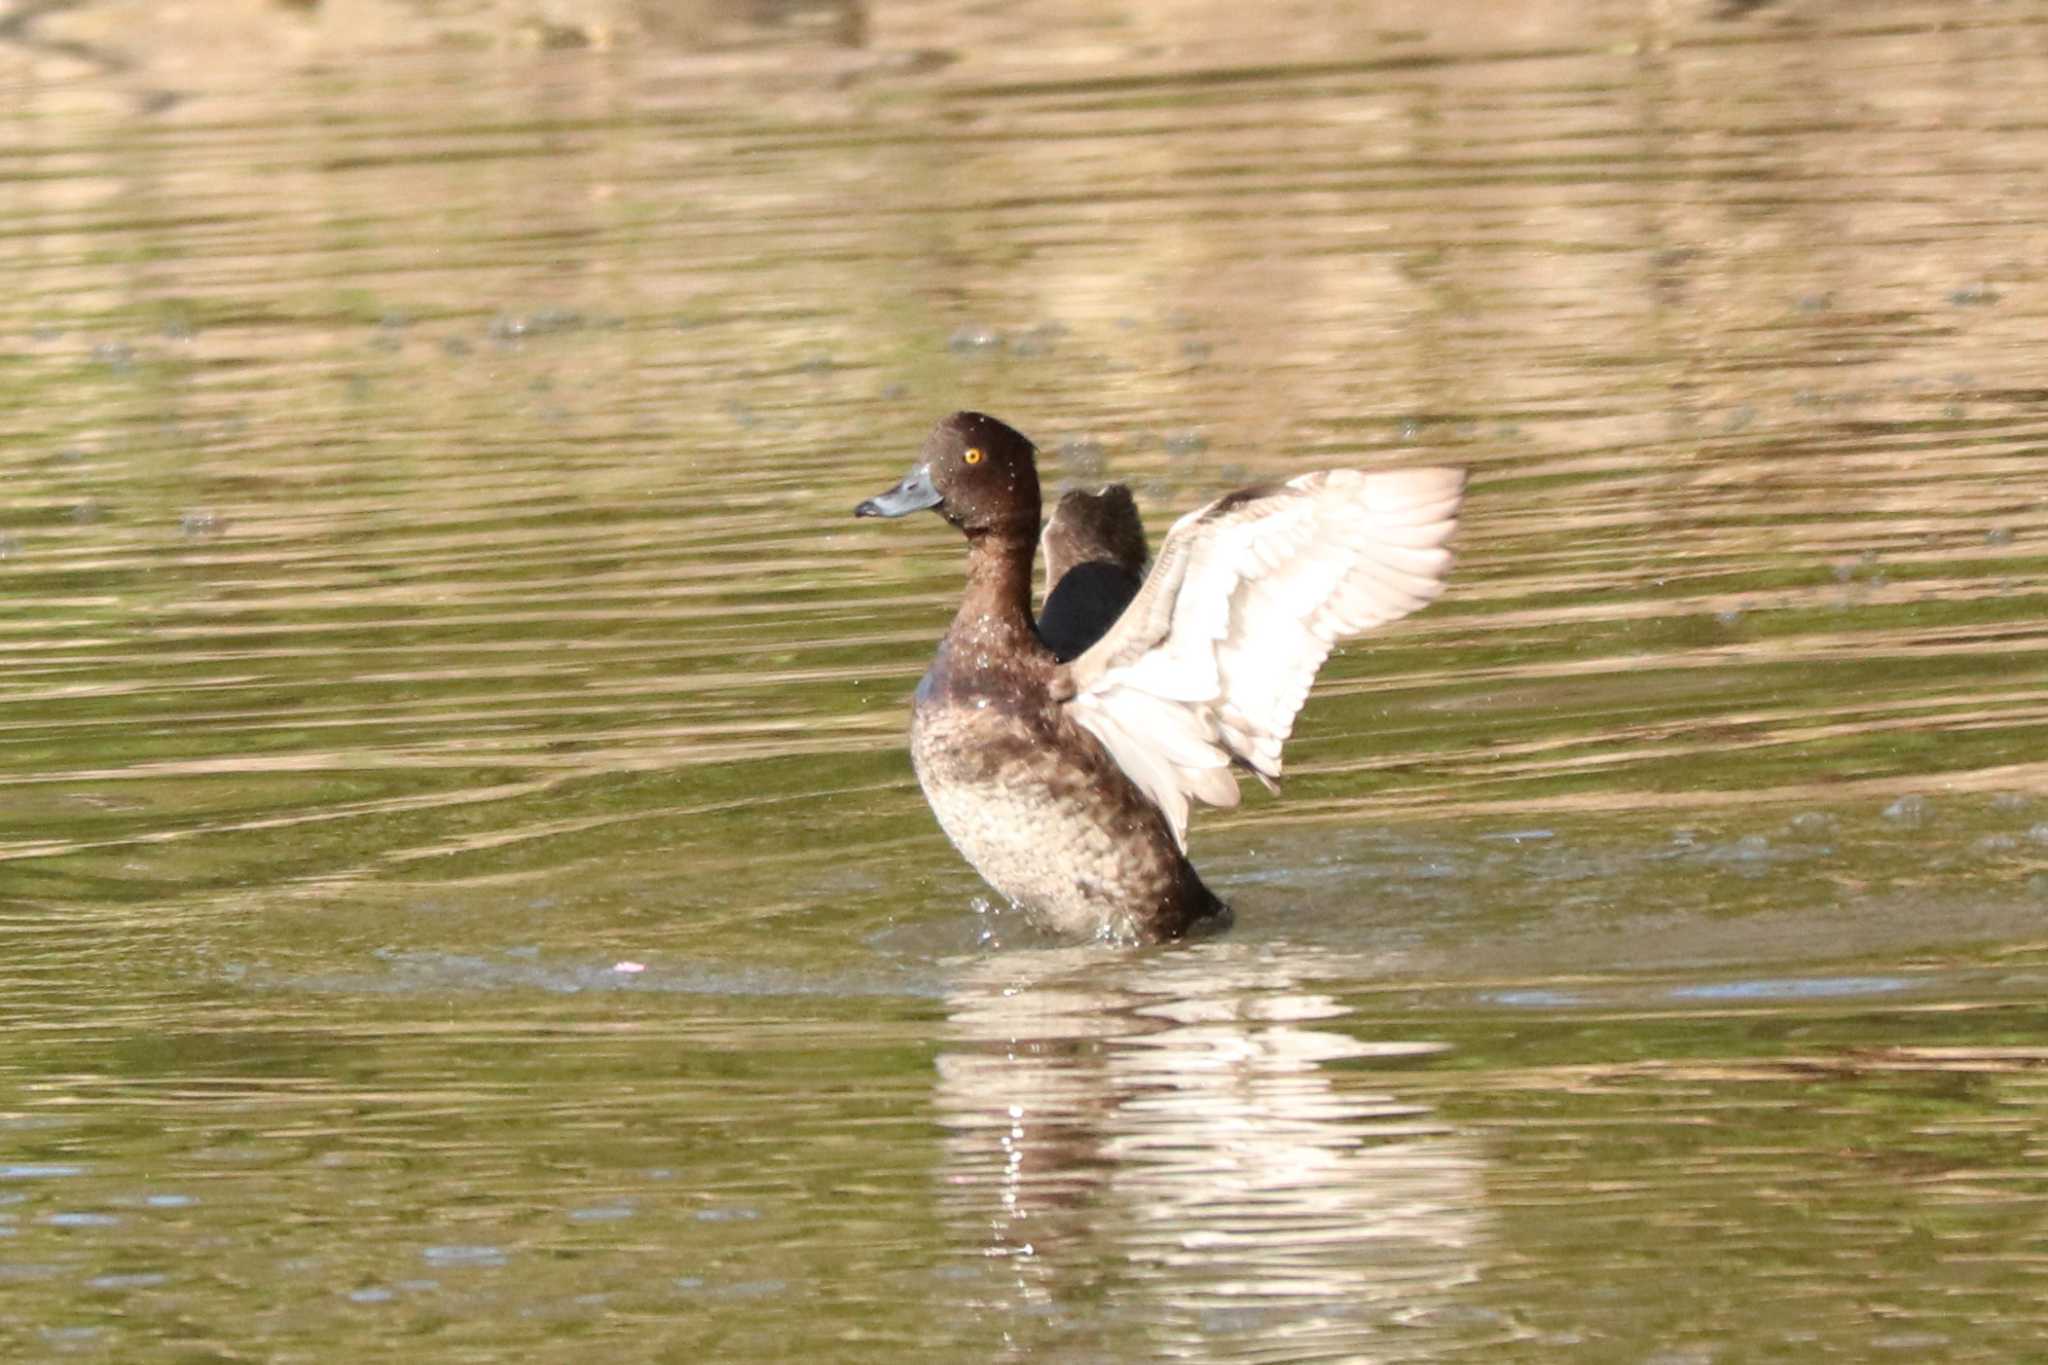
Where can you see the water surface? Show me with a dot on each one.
(462, 889)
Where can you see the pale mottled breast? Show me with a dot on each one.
(1042, 814)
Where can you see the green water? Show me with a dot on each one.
(462, 892)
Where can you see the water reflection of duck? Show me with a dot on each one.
(1217, 1137)
(1061, 755)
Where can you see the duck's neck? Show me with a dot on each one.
(996, 608)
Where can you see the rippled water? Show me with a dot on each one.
(461, 887)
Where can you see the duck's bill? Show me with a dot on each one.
(913, 494)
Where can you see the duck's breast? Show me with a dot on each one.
(1040, 809)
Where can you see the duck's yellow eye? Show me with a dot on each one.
(972, 455)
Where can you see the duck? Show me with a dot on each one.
(1062, 751)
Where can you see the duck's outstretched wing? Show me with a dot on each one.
(1093, 549)
(1083, 606)
(1087, 527)
(1213, 657)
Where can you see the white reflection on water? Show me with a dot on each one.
(1176, 1128)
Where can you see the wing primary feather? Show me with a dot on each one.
(1207, 667)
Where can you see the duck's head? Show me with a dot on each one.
(976, 472)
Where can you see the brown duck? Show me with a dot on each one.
(1061, 754)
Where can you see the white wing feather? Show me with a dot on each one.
(1246, 598)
